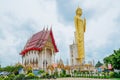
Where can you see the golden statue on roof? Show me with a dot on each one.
(80, 26)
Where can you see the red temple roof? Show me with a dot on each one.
(38, 40)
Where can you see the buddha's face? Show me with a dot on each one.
(79, 12)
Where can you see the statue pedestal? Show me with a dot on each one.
(79, 61)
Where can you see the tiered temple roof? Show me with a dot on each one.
(38, 40)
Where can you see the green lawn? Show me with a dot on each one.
(115, 79)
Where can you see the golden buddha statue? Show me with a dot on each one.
(80, 26)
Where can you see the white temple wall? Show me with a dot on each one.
(32, 56)
(73, 54)
(40, 60)
(48, 57)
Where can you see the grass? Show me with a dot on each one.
(115, 79)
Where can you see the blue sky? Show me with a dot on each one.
(19, 19)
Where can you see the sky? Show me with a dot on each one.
(20, 19)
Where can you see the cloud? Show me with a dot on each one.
(102, 29)
(102, 25)
(65, 10)
(20, 19)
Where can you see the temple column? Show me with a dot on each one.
(28, 57)
(45, 53)
(52, 56)
(39, 61)
(42, 60)
(45, 60)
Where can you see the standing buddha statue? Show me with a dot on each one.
(80, 27)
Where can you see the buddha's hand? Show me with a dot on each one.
(84, 20)
(84, 24)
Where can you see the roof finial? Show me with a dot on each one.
(47, 28)
(51, 28)
(44, 28)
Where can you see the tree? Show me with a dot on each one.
(9, 68)
(108, 60)
(12, 69)
(116, 59)
(98, 64)
(1, 69)
(113, 59)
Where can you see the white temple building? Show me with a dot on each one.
(73, 54)
(40, 50)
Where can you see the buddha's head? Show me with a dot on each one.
(79, 11)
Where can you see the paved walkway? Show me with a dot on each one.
(76, 79)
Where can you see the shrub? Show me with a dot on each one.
(31, 76)
(0, 77)
(6, 78)
(16, 72)
(41, 71)
(111, 74)
(64, 72)
(56, 74)
(29, 71)
(62, 75)
(117, 75)
(107, 77)
(44, 75)
(68, 75)
(19, 77)
(11, 76)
